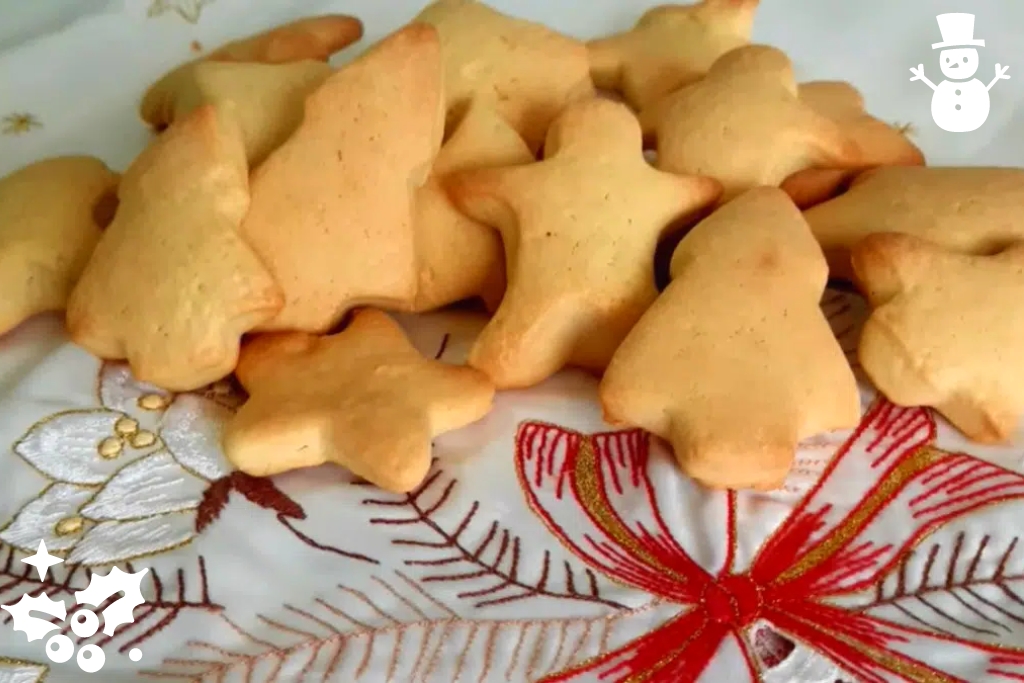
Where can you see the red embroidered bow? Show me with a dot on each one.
(814, 579)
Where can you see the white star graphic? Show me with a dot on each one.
(42, 560)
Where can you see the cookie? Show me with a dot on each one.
(669, 47)
(457, 257)
(881, 144)
(944, 330)
(745, 125)
(736, 363)
(52, 214)
(974, 210)
(363, 398)
(524, 70)
(331, 210)
(580, 230)
(314, 38)
(171, 286)
(266, 99)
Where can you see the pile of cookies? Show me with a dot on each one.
(284, 206)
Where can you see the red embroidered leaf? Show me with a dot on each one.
(262, 491)
(215, 497)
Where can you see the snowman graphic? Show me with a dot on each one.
(960, 104)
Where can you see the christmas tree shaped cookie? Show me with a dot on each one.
(735, 363)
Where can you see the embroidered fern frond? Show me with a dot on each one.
(414, 639)
(947, 589)
(488, 559)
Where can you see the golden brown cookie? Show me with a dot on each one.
(307, 38)
(735, 363)
(266, 99)
(580, 230)
(524, 70)
(945, 330)
(669, 47)
(52, 214)
(745, 125)
(171, 286)
(457, 257)
(973, 210)
(363, 398)
(331, 210)
(881, 144)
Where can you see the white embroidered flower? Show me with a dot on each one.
(127, 478)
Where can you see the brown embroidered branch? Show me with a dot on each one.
(415, 638)
(167, 601)
(492, 562)
(962, 582)
(262, 492)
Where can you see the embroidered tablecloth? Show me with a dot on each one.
(544, 546)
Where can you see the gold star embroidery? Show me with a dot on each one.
(19, 123)
(189, 10)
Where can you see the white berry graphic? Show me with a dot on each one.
(85, 623)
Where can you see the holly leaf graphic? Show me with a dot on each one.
(262, 492)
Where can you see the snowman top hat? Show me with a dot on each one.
(957, 30)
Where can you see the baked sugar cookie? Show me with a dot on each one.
(308, 38)
(171, 286)
(266, 99)
(524, 70)
(881, 144)
(457, 257)
(735, 363)
(331, 210)
(580, 230)
(363, 398)
(745, 125)
(945, 331)
(669, 47)
(973, 210)
(52, 214)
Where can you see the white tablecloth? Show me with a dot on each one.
(544, 546)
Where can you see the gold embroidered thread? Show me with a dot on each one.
(593, 502)
(854, 523)
(69, 526)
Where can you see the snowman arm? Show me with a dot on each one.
(919, 76)
(1000, 74)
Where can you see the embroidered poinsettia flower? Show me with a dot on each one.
(878, 573)
(141, 474)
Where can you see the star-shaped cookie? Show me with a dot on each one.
(171, 286)
(52, 214)
(363, 398)
(736, 363)
(945, 331)
(331, 208)
(972, 209)
(580, 230)
(524, 70)
(880, 143)
(457, 257)
(314, 38)
(670, 46)
(745, 125)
